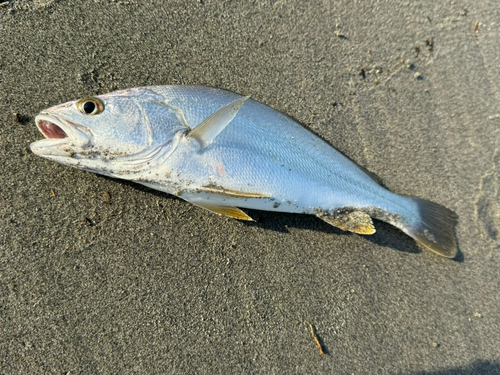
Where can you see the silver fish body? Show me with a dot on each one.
(220, 151)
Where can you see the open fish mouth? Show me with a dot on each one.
(50, 129)
(60, 135)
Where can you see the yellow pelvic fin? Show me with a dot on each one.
(233, 212)
(350, 220)
(214, 189)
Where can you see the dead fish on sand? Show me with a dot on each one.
(222, 151)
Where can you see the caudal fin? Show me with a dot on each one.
(435, 229)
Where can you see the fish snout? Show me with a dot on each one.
(59, 133)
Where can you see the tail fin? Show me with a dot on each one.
(435, 229)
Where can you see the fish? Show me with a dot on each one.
(225, 152)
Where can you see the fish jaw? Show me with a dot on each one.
(73, 145)
(62, 138)
(70, 144)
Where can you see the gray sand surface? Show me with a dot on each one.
(150, 284)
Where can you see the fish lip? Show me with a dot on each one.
(59, 132)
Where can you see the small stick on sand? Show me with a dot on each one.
(315, 338)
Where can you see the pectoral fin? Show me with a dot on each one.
(233, 212)
(350, 220)
(211, 127)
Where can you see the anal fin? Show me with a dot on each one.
(233, 212)
(350, 220)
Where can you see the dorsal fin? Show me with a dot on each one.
(372, 175)
(211, 127)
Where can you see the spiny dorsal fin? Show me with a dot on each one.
(211, 127)
(350, 220)
(233, 212)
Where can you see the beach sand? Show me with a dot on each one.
(149, 284)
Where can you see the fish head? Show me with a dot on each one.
(98, 133)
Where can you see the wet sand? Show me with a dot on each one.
(151, 284)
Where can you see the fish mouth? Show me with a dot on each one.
(50, 129)
(61, 136)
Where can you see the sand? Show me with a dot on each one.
(152, 285)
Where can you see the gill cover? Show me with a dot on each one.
(131, 120)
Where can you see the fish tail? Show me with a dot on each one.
(432, 226)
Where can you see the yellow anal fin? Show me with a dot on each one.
(350, 220)
(233, 212)
(214, 189)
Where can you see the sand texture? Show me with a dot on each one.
(152, 285)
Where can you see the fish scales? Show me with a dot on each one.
(222, 151)
(248, 150)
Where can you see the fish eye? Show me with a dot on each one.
(90, 106)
